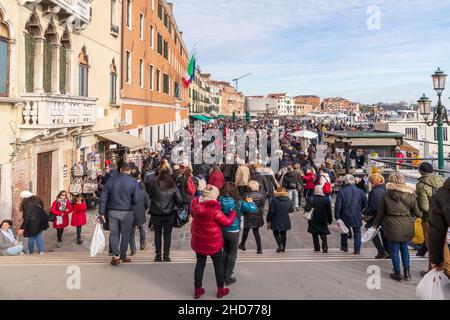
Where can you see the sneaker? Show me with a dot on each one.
(396, 276)
(115, 262)
(41, 253)
(242, 247)
(230, 281)
(59, 245)
(143, 247)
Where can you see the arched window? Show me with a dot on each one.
(50, 42)
(113, 84)
(33, 31)
(63, 63)
(83, 73)
(4, 57)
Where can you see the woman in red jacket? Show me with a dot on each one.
(216, 178)
(61, 208)
(207, 240)
(310, 183)
(79, 216)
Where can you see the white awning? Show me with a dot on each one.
(124, 139)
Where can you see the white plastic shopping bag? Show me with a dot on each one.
(370, 234)
(98, 241)
(434, 286)
(308, 215)
(342, 227)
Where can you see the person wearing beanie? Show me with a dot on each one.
(321, 217)
(207, 239)
(428, 184)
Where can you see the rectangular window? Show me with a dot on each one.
(152, 36)
(141, 73)
(176, 39)
(83, 75)
(166, 50)
(411, 133)
(160, 10)
(128, 67)
(176, 90)
(165, 19)
(62, 70)
(158, 80)
(141, 26)
(160, 44)
(114, 25)
(445, 134)
(47, 67)
(166, 84)
(170, 27)
(29, 62)
(4, 67)
(128, 14)
(151, 77)
(113, 88)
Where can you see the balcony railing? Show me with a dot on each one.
(80, 10)
(57, 111)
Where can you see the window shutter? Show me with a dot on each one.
(62, 70)
(29, 62)
(47, 67)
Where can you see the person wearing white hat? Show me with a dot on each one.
(321, 218)
(26, 194)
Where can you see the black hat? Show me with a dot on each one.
(426, 168)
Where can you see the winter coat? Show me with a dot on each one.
(262, 181)
(164, 202)
(5, 243)
(375, 196)
(206, 229)
(309, 179)
(242, 176)
(79, 214)
(35, 220)
(424, 192)
(216, 179)
(350, 203)
(439, 223)
(322, 215)
(140, 209)
(227, 170)
(398, 211)
(279, 210)
(271, 184)
(187, 198)
(254, 220)
(64, 215)
(241, 207)
(120, 193)
(291, 180)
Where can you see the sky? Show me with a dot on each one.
(366, 51)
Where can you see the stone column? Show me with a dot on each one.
(55, 68)
(69, 72)
(38, 83)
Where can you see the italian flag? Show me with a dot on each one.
(190, 76)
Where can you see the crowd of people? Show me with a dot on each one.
(225, 202)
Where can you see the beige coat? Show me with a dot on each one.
(242, 176)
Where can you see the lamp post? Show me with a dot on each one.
(439, 113)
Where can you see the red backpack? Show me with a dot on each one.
(191, 189)
(327, 188)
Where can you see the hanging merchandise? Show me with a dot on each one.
(90, 185)
(77, 186)
(78, 170)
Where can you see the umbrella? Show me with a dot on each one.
(305, 134)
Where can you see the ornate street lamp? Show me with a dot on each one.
(439, 114)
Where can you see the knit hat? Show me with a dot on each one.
(426, 168)
(210, 193)
(318, 190)
(26, 194)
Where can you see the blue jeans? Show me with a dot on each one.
(356, 238)
(13, 251)
(39, 241)
(294, 196)
(401, 247)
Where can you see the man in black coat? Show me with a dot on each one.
(119, 196)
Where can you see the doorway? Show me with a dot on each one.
(44, 178)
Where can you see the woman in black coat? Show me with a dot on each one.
(139, 212)
(254, 220)
(35, 221)
(165, 201)
(278, 217)
(322, 216)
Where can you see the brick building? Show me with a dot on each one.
(339, 104)
(314, 101)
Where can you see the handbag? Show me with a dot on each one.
(181, 218)
(51, 217)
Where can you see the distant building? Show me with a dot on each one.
(230, 100)
(285, 103)
(261, 105)
(339, 104)
(314, 101)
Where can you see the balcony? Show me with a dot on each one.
(75, 12)
(115, 30)
(57, 111)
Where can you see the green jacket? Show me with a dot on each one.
(424, 192)
(397, 212)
